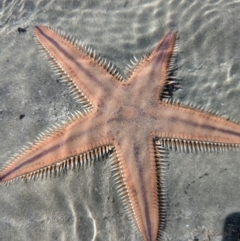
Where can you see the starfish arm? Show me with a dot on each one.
(194, 127)
(137, 181)
(74, 145)
(152, 75)
(88, 76)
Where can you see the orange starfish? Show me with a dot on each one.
(132, 121)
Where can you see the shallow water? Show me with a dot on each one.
(203, 188)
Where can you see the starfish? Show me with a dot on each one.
(130, 119)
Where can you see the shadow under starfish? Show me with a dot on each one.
(132, 120)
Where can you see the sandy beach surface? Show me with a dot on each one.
(83, 205)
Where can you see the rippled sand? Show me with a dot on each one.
(203, 188)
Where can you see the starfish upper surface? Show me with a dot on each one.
(129, 121)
